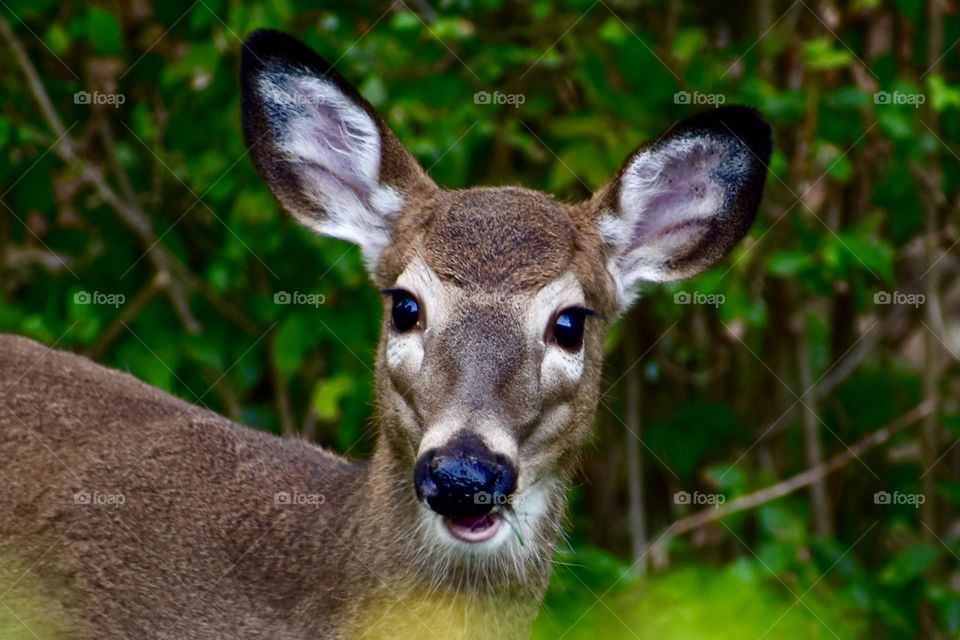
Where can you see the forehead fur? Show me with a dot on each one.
(508, 239)
(504, 238)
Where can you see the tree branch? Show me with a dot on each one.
(806, 478)
(129, 213)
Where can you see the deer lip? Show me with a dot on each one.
(474, 529)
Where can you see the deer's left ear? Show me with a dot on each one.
(321, 147)
(682, 202)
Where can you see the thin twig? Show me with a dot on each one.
(803, 479)
(127, 316)
(129, 213)
(281, 394)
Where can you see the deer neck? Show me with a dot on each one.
(409, 583)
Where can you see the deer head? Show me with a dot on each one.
(495, 299)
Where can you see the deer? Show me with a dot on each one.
(129, 513)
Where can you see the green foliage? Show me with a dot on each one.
(599, 597)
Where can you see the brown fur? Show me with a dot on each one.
(505, 239)
(199, 548)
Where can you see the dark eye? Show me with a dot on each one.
(405, 310)
(567, 330)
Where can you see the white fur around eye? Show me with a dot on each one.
(559, 366)
(405, 352)
(565, 291)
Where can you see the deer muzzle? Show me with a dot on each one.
(464, 481)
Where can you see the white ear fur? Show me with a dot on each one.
(667, 200)
(681, 203)
(333, 147)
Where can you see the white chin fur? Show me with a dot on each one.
(529, 508)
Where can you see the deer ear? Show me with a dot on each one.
(682, 202)
(322, 149)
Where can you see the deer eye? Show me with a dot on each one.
(567, 328)
(405, 310)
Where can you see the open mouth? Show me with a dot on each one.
(474, 528)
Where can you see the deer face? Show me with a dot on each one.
(495, 299)
(491, 354)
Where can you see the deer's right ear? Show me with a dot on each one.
(322, 149)
(682, 202)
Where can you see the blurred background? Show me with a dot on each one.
(775, 446)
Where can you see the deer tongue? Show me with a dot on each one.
(474, 528)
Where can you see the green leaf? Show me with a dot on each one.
(951, 490)
(788, 263)
(405, 21)
(873, 254)
(689, 43)
(4, 131)
(895, 123)
(942, 95)
(293, 339)
(58, 39)
(327, 395)
(911, 563)
(822, 53)
(612, 31)
(104, 32)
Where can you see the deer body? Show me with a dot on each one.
(487, 378)
(199, 547)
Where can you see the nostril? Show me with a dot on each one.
(464, 484)
(506, 482)
(428, 488)
(423, 482)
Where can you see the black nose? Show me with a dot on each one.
(464, 478)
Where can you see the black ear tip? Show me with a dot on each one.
(261, 38)
(753, 128)
(746, 123)
(750, 126)
(264, 45)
